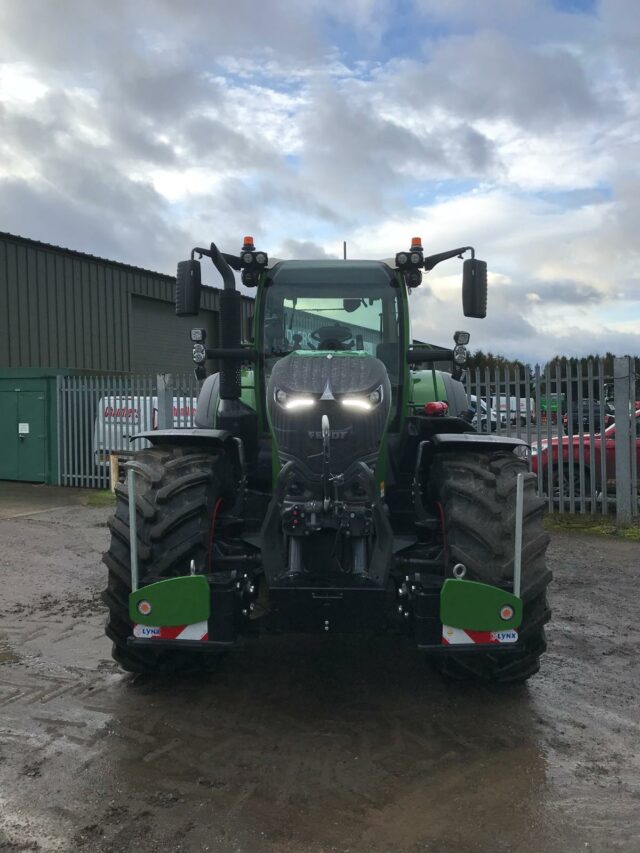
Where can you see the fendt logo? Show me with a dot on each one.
(334, 434)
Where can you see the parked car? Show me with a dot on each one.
(561, 448)
(581, 413)
(486, 417)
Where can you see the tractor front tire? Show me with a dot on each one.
(477, 492)
(177, 491)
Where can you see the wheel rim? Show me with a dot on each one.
(577, 490)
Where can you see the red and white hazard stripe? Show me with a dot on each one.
(195, 631)
(459, 636)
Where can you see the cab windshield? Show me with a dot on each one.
(312, 318)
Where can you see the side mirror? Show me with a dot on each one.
(188, 286)
(474, 288)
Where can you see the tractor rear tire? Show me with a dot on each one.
(477, 492)
(177, 491)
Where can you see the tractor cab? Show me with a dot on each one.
(332, 307)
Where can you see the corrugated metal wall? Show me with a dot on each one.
(160, 341)
(65, 309)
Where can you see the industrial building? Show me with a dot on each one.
(62, 309)
(64, 313)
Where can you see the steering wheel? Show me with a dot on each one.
(331, 337)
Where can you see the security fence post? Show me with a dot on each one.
(634, 439)
(165, 401)
(622, 378)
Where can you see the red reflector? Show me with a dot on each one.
(416, 242)
(436, 410)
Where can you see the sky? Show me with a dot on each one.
(135, 131)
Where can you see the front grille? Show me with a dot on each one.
(354, 434)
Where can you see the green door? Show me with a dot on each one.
(22, 436)
(31, 436)
(8, 435)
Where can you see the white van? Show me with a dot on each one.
(511, 407)
(120, 418)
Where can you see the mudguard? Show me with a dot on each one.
(187, 436)
(206, 439)
(471, 440)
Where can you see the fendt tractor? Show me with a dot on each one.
(332, 483)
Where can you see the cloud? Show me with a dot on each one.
(566, 292)
(486, 76)
(512, 126)
(303, 250)
(80, 36)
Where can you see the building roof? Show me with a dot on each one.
(27, 241)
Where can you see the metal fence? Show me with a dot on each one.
(582, 426)
(98, 415)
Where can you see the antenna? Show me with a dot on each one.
(344, 250)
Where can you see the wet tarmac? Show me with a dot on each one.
(310, 744)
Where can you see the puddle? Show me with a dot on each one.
(7, 655)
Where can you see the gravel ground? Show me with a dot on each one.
(310, 744)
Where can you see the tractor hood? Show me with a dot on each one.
(352, 390)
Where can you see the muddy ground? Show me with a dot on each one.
(305, 744)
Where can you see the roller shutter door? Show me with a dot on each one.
(160, 341)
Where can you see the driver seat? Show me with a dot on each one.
(334, 344)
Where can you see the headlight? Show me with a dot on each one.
(356, 403)
(292, 401)
(199, 353)
(364, 404)
(460, 354)
(522, 451)
(299, 403)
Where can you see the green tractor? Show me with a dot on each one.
(332, 483)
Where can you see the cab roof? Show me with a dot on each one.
(331, 272)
